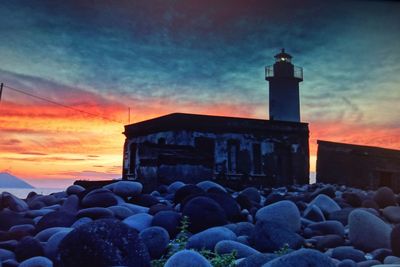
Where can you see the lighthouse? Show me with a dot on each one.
(284, 79)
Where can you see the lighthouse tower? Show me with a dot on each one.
(284, 79)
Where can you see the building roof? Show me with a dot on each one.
(372, 151)
(214, 124)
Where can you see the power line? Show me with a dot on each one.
(60, 104)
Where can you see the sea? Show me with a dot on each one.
(23, 192)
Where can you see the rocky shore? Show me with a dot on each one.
(201, 225)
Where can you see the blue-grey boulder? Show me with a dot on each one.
(95, 213)
(325, 203)
(13, 203)
(228, 246)
(81, 221)
(169, 220)
(283, 212)
(206, 185)
(207, 239)
(99, 198)
(302, 258)
(10, 218)
(56, 219)
(252, 194)
(156, 240)
(392, 214)
(384, 197)
(185, 191)
(6, 254)
(327, 227)
(126, 188)
(45, 234)
(203, 213)
(345, 252)
(257, 260)
(139, 221)
(368, 232)
(28, 247)
(313, 213)
(187, 258)
(51, 247)
(120, 212)
(173, 187)
(105, 242)
(75, 189)
(37, 262)
(269, 236)
(347, 263)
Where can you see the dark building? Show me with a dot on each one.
(235, 151)
(359, 166)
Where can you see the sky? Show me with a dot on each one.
(196, 56)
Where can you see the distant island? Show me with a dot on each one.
(9, 181)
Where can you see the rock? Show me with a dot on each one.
(273, 197)
(228, 246)
(203, 213)
(70, 205)
(56, 219)
(95, 213)
(126, 188)
(391, 260)
(244, 202)
(325, 203)
(144, 200)
(353, 199)
(29, 228)
(395, 240)
(185, 191)
(45, 234)
(314, 213)
(10, 218)
(10, 263)
(257, 260)
(156, 240)
(169, 220)
(341, 215)
(99, 198)
(153, 210)
(328, 241)
(302, 258)
(392, 213)
(206, 185)
(252, 194)
(283, 212)
(37, 262)
(9, 244)
(172, 188)
(28, 247)
(52, 245)
(228, 204)
(368, 232)
(326, 190)
(187, 258)
(75, 189)
(135, 208)
(270, 236)
(105, 242)
(342, 253)
(347, 263)
(120, 212)
(139, 221)
(369, 203)
(243, 228)
(6, 255)
(327, 227)
(384, 197)
(207, 239)
(372, 263)
(81, 221)
(13, 203)
(381, 253)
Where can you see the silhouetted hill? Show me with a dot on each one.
(9, 181)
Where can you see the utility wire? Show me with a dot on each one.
(60, 104)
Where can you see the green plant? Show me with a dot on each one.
(283, 250)
(179, 243)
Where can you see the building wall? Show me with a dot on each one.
(283, 157)
(357, 166)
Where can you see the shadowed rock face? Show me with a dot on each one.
(105, 242)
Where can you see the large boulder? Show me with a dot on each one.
(209, 238)
(125, 188)
(203, 213)
(156, 240)
(392, 213)
(270, 236)
(56, 219)
(185, 191)
(37, 262)
(368, 232)
(228, 246)
(139, 221)
(187, 258)
(302, 258)
(13, 203)
(206, 185)
(228, 204)
(10, 218)
(252, 194)
(105, 242)
(28, 247)
(169, 220)
(325, 203)
(384, 197)
(99, 198)
(283, 212)
(327, 227)
(257, 259)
